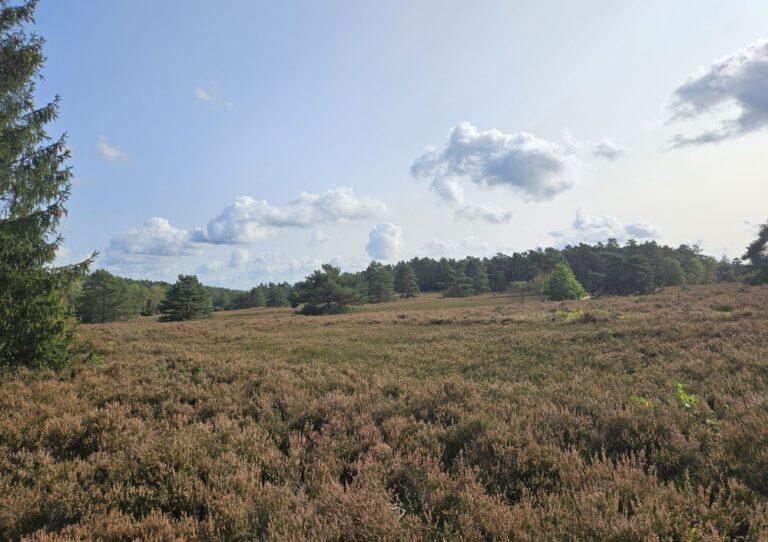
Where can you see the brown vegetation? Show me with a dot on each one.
(612, 419)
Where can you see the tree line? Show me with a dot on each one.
(572, 272)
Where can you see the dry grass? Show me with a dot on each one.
(422, 419)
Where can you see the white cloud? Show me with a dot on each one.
(203, 95)
(318, 238)
(111, 153)
(740, 80)
(484, 213)
(606, 148)
(536, 168)
(206, 95)
(642, 230)
(385, 242)
(239, 257)
(210, 267)
(248, 220)
(586, 228)
(469, 246)
(156, 237)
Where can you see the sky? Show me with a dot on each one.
(248, 142)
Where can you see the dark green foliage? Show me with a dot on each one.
(277, 294)
(187, 299)
(34, 186)
(104, 298)
(327, 291)
(562, 284)
(757, 255)
(381, 283)
(476, 271)
(406, 283)
(458, 284)
(672, 273)
(628, 276)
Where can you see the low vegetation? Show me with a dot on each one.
(618, 418)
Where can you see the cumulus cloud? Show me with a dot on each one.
(206, 95)
(318, 238)
(739, 80)
(469, 246)
(207, 268)
(587, 228)
(536, 168)
(484, 213)
(155, 238)
(606, 148)
(111, 153)
(239, 257)
(385, 241)
(248, 220)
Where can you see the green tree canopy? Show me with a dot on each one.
(104, 298)
(186, 300)
(381, 283)
(562, 284)
(458, 284)
(478, 274)
(327, 291)
(406, 283)
(757, 255)
(672, 272)
(34, 186)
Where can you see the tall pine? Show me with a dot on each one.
(34, 186)
(405, 280)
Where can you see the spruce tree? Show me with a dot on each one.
(406, 283)
(381, 283)
(34, 186)
(187, 299)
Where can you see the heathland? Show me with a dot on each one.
(621, 418)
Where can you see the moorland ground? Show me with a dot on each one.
(624, 418)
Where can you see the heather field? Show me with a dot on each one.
(622, 418)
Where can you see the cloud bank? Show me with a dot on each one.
(535, 168)
(155, 238)
(741, 80)
(586, 228)
(483, 213)
(248, 220)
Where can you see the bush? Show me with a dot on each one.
(562, 284)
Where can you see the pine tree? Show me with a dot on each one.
(478, 273)
(327, 291)
(104, 298)
(381, 283)
(458, 284)
(277, 295)
(406, 283)
(562, 284)
(34, 186)
(187, 299)
(757, 254)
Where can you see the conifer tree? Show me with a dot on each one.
(187, 299)
(34, 186)
(104, 298)
(458, 284)
(478, 273)
(327, 291)
(381, 283)
(406, 283)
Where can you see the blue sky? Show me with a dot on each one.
(248, 142)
